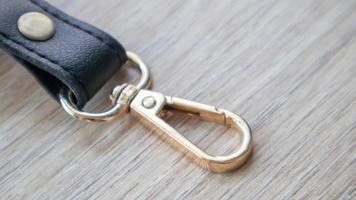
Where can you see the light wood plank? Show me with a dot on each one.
(288, 67)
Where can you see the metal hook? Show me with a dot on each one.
(147, 106)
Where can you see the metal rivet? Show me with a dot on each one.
(36, 26)
(148, 102)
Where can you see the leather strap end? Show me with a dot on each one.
(78, 56)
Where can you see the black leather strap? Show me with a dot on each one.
(78, 56)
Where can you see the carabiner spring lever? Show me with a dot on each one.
(149, 106)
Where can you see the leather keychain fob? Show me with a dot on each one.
(73, 54)
(73, 60)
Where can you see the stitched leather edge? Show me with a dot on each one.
(18, 49)
(45, 58)
(38, 4)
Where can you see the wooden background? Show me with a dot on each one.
(287, 66)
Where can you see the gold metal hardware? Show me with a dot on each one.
(151, 117)
(149, 107)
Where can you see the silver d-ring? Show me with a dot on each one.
(71, 109)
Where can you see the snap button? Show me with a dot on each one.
(36, 26)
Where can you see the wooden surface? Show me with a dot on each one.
(288, 67)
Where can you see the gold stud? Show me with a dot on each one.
(36, 26)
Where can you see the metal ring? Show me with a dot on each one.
(71, 109)
(145, 79)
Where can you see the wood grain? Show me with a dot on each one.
(288, 67)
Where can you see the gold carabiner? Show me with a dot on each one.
(147, 106)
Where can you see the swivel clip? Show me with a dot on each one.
(149, 107)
